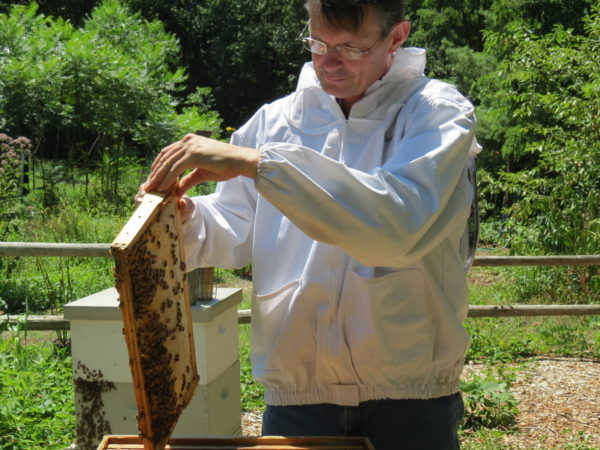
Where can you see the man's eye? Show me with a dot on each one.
(352, 52)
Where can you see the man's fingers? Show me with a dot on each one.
(140, 193)
(192, 179)
(164, 154)
(166, 171)
(186, 208)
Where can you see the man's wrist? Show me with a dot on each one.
(250, 164)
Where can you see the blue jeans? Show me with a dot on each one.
(389, 424)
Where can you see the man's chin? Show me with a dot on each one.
(335, 89)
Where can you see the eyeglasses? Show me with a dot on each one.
(321, 48)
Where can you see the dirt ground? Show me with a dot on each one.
(559, 404)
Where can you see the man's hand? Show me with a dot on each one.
(185, 204)
(210, 160)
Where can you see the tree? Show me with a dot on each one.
(453, 32)
(547, 90)
(539, 16)
(108, 87)
(75, 11)
(247, 51)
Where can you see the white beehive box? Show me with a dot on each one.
(99, 346)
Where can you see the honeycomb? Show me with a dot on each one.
(151, 279)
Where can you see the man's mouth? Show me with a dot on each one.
(335, 77)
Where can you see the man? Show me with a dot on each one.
(350, 198)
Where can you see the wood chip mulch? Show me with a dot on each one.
(559, 404)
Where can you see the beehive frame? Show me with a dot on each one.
(153, 291)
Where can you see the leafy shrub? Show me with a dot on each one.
(20, 295)
(548, 90)
(488, 403)
(493, 341)
(14, 154)
(107, 87)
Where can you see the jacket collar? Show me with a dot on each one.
(408, 63)
(313, 110)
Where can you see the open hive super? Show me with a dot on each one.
(256, 443)
(153, 291)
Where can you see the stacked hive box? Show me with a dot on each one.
(104, 393)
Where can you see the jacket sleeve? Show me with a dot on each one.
(394, 214)
(219, 233)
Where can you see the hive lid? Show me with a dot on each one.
(150, 277)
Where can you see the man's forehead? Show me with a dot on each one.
(366, 28)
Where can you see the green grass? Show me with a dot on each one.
(252, 392)
(36, 387)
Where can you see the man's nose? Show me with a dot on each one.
(331, 57)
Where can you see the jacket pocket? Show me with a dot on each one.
(387, 325)
(282, 335)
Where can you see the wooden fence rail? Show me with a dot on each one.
(17, 249)
(57, 322)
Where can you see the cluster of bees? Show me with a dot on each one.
(158, 289)
(92, 424)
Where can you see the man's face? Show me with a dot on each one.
(348, 79)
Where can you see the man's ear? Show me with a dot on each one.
(400, 34)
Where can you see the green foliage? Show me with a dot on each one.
(459, 22)
(553, 285)
(547, 89)
(252, 392)
(453, 32)
(75, 11)
(491, 342)
(247, 51)
(489, 402)
(37, 408)
(45, 284)
(14, 154)
(107, 87)
(14, 157)
(539, 16)
(503, 340)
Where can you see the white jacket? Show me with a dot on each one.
(355, 231)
